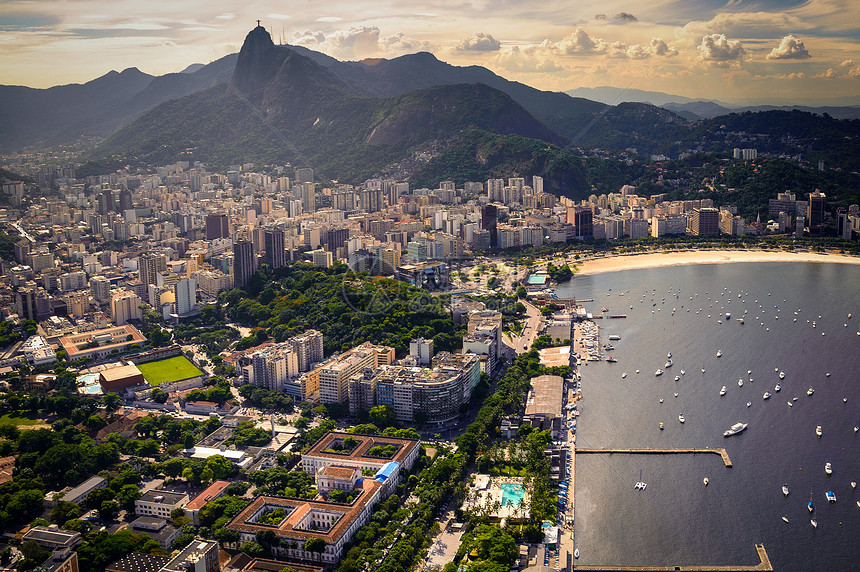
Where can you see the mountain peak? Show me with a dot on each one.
(257, 61)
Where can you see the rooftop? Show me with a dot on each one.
(545, 396)
(364, 445)
(122, 372)
(137, 562)
(213, 491)
(161, 496)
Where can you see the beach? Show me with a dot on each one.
(656, 260)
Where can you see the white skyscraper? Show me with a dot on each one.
(185, 291)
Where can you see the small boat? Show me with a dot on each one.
(735, 429)
(828, 468)
(749, 403)
(785, 490)
(661, 426)
(683, 372)
(668, 364)
(818, 430)
(810, 391)
(681, 418)
(661, 400)
(795, 398)
(790, 404)
(853, 484)
(827, 374)
(777, 387)
(858, 504)
(766, 395)
(740, 383)
(676, 394)
(722, 391)
(703, 370)
(782, 375)
(637, 371)
(813, 523)
(741, 321)
(719, 353)
(677, 378)
(669, 355)
(706, 481)
(785, 519)
(623, 375)
(576, 553)
(809, 506)
(611, 359)
(831, 496)
(856, 428)
(844, 400)
(658, 373)
(614, 337)
(728, 316)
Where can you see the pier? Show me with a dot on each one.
(764, 565)
(719, 451)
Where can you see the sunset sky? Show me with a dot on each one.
(735, 50)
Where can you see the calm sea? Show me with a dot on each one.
(796, 321)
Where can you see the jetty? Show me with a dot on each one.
(718, 451)
(764, 565)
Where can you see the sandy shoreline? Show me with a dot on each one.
(660, 259)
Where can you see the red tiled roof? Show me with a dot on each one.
(214, 491)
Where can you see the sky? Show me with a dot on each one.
(788, 51)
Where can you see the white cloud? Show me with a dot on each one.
(230, 16)
(308, 38)
(400, 44)
(847, 63)
(790, 48)
(854, 72)
(580, 42)
(479, 42)
(660, 48)
(829, 74)
(360, 42)
(329, 19)
(275, 16)
(745, 25)
(717, 50)
(531, 58)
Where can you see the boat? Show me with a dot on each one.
(856, 428)
(681, 418)
(677, 378)
(782, 375)
(735, 429)
(810, 391)
(609, 347)
(728, 316)
(785, 490)
(831, 496)
(749, 403)
(777, 387)
(858, 504)
(705, 480)
(614, 337)
(576, 553)
(785, 519)
(683, 371)
(703, 370)
(669, 355)
(637, 371)
(719, 353)
(809, 506)
(766, 395)
(741, 321)
(818, 430)
(722, 391)
(853, 484)
(668, 364)
(661, 400)
(813, 523)
(827, 374)
(658, 373)
(790, 404)
(624, 375)
(795, 398)
(676, 394)
(828, 468)
(661, 426)
(740, 383)
(611, 359)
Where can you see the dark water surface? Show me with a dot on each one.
(677, 520)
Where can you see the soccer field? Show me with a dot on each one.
(167, 370)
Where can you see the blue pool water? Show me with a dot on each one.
(511, 493)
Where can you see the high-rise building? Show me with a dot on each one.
(77, 303)
(274, 247)
(421, 350)
(582, 220)
(308, 348)
(125, 306)
(305, 175)
(705, 222)
(149, 265)
(100, 289)
(489, 222)
(185, 292)
(244, 262)
(22, 250)
(814, 212)
(336, 237)
(321, 258)
(26, 301)
(217, 226)
(125, 200)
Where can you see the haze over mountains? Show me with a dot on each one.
(350, 120)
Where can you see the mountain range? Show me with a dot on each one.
(351, 120)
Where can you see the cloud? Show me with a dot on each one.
(626, 17)
(847, 63)
(531, 58)
(600, 16)
(790, 48)
(479, 42)
(660, 48)
(360, 42)
(829, 74)
(579, 42)
(276, 16)
(746, 25)
(400, 44)
(329, 19)
(854, 72)
(230, 16)
(166, 44)
(717, 50)
(308, 38)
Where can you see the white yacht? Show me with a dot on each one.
(677, 378)
(740, 383)
(722, 391)
(766, 395)
(782, 375)
(668, 364)
(719, 353)
(818, 430)
(623, 375)
(658, 373)
(777, 387)
(705, 480)
(735, 429)
(828, 468)
(785, 490)
(813, 522)
(810, 391)
(681, 418)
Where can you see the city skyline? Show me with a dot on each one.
(768, 51)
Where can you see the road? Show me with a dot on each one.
(520, 344)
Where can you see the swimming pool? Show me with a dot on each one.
(512, 493)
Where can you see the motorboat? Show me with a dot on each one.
(703, 370)
(749, 403)
(828, 468)
(831, 496)
(766, 395)
(735, 429)
(668, 364)
(661, 426)
(785, 490)
(728, 316)
(853, 484)
(818, 430)
(813, 522)
(611, 359)
(719, 353)
(637, 371)
(676, 394)
(677, 378)
(614, 337)
(723, 391)
(782, 375)
(624, 375)
(795, 398)
(827, 374)
(658, 373)
(785, 519)
(576, 553)
(740, 383)
(705, 481)
(669, 355)
(661, 400)
(683, 371)
(809, 506)
(856, 428)
(790, 404)
(810, 391)
(777, 387)
(681, 418)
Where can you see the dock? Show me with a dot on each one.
(719, 451)
(764, 565)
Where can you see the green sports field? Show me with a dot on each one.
(167, 370)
